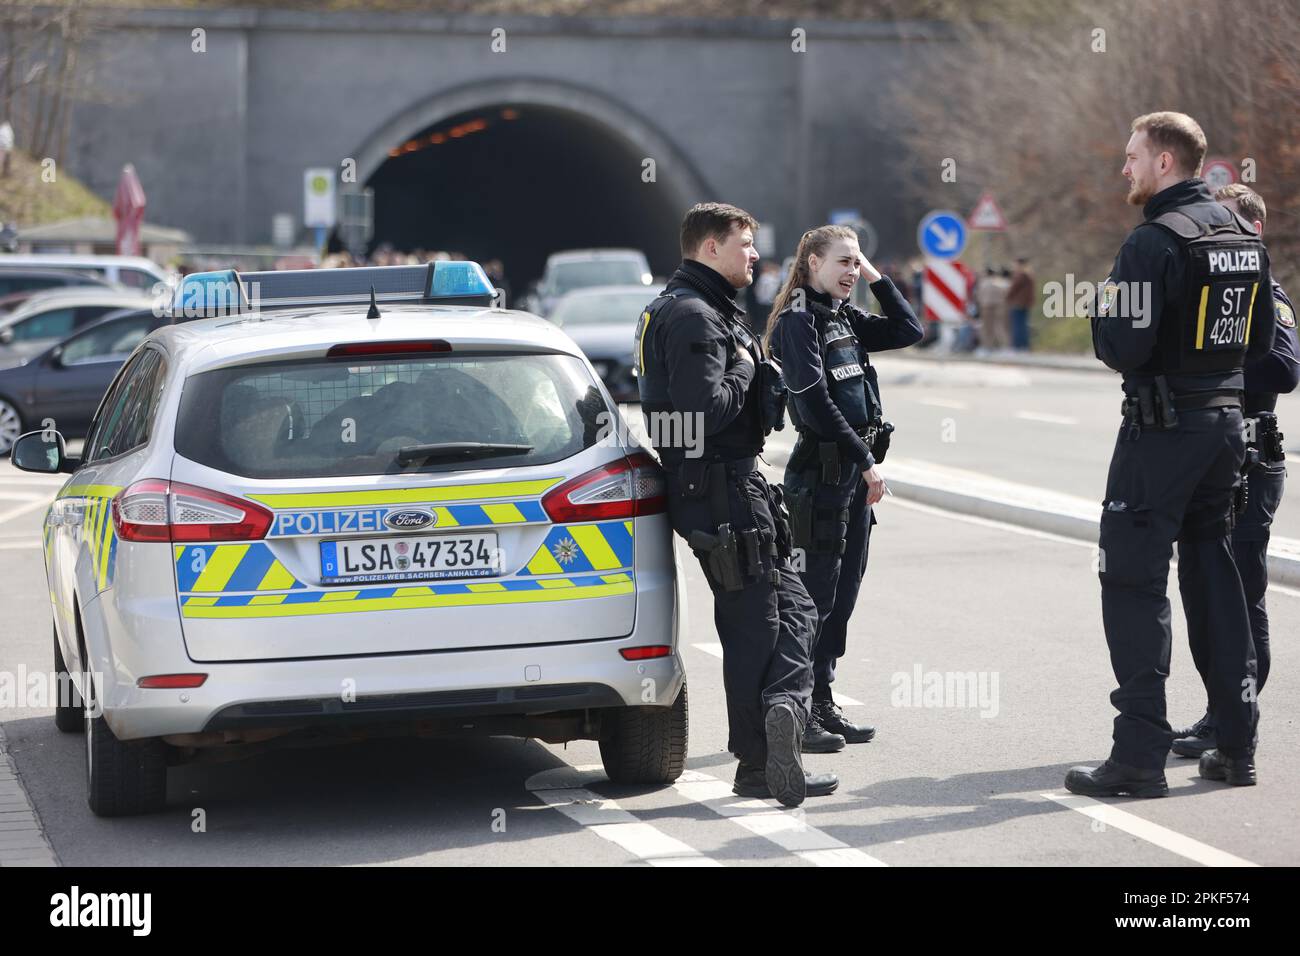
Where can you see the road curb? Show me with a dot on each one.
(1031, 508)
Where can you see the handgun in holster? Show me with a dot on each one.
(1268, 438)
(829, 454)
(880, 446)
(722, 555)
(1165, 403)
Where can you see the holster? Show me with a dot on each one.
(800, 503)
(1268, 438)
(828, 453)
(880, 446)
(721, 554)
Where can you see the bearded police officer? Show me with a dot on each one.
(1278, 371)
(831, 480)
(697, 358)
(1186, 305)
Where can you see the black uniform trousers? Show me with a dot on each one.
(766, 629)
(833, 579)
(1168, 485)
(1250, 551)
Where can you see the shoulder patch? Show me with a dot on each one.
(1285, 314)
(1108, 293)
(704, 348)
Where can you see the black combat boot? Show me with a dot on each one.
(818, 740)
(1115, 779)
(827, 713)
(751, 781)
(1238, 771)
(1196, 739)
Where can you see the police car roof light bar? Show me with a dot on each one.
(228, 292)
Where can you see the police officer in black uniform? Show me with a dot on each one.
(831, 479)
(1279, 371)
(1186, 305)
(695, 357)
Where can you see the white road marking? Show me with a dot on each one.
(23, 509)
(943, 403)
(715, 649)
(1047, 417)
(1153, 833)
(605, 818)
(786, 828)
(17, 545)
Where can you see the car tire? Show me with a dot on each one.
(11, 425)
(646, 744)
(69, 711)
(123, 777)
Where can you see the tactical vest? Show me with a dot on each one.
(850, 378)
(1226, 266)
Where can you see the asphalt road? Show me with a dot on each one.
(1047, 428)
(942, 783)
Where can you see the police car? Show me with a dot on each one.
(359, 499)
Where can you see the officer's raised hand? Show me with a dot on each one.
(868, 271)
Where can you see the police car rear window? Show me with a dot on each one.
(321, 418)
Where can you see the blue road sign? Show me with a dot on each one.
(942, 234)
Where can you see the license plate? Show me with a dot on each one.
(430, 557)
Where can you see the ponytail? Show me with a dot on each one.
(813, 242)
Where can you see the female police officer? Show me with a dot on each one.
(831, 480)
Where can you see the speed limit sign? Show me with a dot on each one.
(1218, 173)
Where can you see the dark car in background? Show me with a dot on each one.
(603, 321)
(66, 381)
(50, 316)
(16, 280)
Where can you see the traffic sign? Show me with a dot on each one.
(868, 240)
(318, 198)
(942, 234)
(1217, 173)
(987, 215)
(943, 293)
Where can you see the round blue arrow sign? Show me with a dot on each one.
(942, 234)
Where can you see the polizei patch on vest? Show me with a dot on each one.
(1234, 260)
(840, 373)
(1285, 315)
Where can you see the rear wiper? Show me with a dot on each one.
(452, 450)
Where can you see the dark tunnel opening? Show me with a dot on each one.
(517, 183)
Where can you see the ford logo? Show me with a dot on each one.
(409, 520)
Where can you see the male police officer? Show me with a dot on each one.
(1179, 317)
(1278, 371)
(696, 358)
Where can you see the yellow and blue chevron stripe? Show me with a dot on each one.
(578, 548)
(391, 598)
(96, 530)
(205, 568)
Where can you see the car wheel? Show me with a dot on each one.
(645, 744)
(69, 711)
(123, 777)
(11, 426)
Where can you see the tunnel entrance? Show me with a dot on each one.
(517, 182)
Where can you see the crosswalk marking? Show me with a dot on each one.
(1153, 833)
(605, 818)
(788, 829)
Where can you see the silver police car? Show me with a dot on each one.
(357, 500)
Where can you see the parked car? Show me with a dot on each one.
(420, 507)
(583, 268)
(64, 382)
(133, 272)
(603, 321)
(45, 318)
(20, 280)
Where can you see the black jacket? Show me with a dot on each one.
(688, 364)
(1151, 259)
(795, 340)
(1279, 370)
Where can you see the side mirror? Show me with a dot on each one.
(6, 335)
(55, 357)
(39, 452)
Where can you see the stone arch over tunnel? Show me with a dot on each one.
(518, 169)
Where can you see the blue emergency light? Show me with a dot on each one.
(227, 292)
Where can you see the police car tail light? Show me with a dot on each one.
(625, 488)
(156, 510)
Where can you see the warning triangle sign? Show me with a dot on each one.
(987, 216)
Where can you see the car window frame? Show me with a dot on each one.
(104, 356)
(121, 382)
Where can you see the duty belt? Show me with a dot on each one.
(1154, 405)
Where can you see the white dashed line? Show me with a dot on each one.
(788, 829)
(1152, 833)
(1047, 417)
(605, 818)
